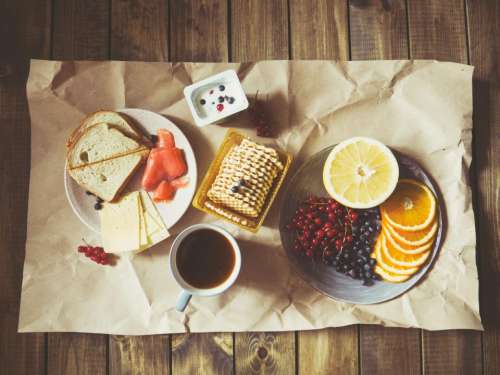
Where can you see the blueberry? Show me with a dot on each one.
(234, 189)
(222, 87)
(97, 206)
(99, 200)
(202, 101)
(220, 99)
(230, 100)
(367, 282)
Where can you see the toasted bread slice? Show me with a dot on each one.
(107, 178)
(114, 119)
(100, 142)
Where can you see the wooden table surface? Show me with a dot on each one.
(238, 30)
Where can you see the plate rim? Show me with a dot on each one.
(419, 277)
(66, 175)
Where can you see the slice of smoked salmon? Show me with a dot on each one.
(180, 182)
(164, 192)
(165, 139)
(154, 172)
(174, 164)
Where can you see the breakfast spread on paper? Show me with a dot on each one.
(371, 225)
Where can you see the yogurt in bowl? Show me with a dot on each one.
(216, 98)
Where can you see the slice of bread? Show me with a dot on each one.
(107, 178)
(100, 142)
(114, 119)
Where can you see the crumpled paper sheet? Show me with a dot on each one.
(422, 108)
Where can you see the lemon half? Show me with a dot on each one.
(360, 172)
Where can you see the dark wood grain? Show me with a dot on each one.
(437, 31)
(139, 30)
(137, 355)
(372, 36)
(329, 351)
(259, 30)
(379, 29)
(80, 30)
(77, 353)
(202, 353)
(333, 350)
(319, 29)
(265, 353)
(198, 30)
(452, 352)
(484, 41)
(24, 33)
(389, 350)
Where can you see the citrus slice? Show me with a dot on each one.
(411, 207)
(360, 172)
(387, 265)
(390, 277)
(413, 238)
(406, 249)
(400, 259)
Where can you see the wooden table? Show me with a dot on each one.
(239, 30)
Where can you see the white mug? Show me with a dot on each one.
(189, 290)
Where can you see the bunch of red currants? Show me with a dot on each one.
(328, 231)
(96, 254)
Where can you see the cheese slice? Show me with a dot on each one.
(155, 228)
(143, 233)
(120, 224)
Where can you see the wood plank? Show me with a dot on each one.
(329, 351)
(389, 350)
(259, 30)
(438, 31)
(372, 36)
(202, 353)
(265, 353)
(198, 30)
(80, 31)
(139, 30)
(77, 353)
(334, 350)
(24, 33)
(325, 38)
(379, 29)
(139, 355)
(484, 44)
(452, 352)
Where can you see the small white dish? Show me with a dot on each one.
(215, 98)
(83, 204)
(188, 290)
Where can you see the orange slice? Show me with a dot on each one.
(401, 259)
(406, 249)
(385, 264)
(390, 277)
(411, 207)
(414, 238)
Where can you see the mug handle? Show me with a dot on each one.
(183, 300)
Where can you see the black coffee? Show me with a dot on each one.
(205, 259)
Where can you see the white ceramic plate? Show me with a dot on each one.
(83, 204)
